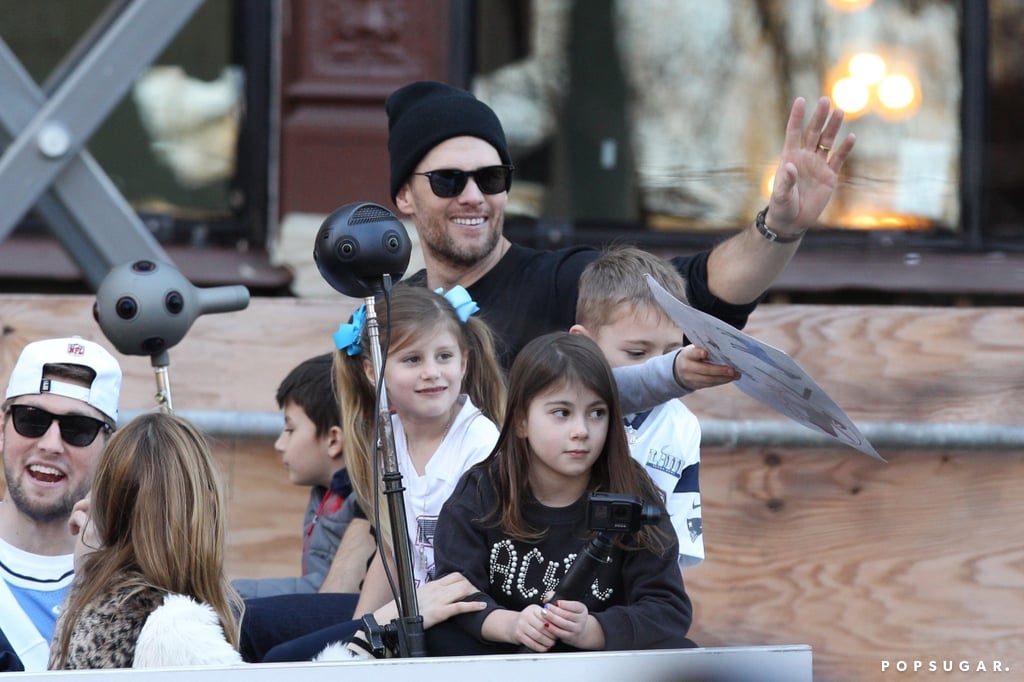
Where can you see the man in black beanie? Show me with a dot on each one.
(450, 174)
(425, 114)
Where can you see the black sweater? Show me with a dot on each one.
(638, 598)
(531, 292)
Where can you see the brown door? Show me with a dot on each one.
(340, 59)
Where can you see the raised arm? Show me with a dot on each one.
(744, 266)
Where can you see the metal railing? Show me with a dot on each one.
(714, 432)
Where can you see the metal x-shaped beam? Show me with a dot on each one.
(46, 166)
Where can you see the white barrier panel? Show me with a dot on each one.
(724, 664)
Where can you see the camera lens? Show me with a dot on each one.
(153, 344)
(126, 308)
(174, 302)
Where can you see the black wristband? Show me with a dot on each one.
(770, 234)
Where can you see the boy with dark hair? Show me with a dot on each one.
(311, 445)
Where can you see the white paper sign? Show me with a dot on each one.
(767, 374)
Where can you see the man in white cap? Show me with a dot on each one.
(59, 410)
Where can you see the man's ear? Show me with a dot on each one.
(335, 442)
(579, 329)
(402, 199)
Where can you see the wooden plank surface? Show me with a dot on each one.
(892, 364)
(879, 363)
(919, 559)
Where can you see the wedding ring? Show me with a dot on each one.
(824, 148)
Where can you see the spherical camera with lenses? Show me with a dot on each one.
(357, 245)
(146, 307)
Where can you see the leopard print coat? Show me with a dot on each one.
(107, 631)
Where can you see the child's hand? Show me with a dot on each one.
(79, 518)
(78, 525)
(438, 600)
(571, 623)
(693, 371)
(443, 598)
(532, 630)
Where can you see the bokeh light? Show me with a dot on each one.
(867, 220)
(867, 67)
(768, 183)
(897, 92)
(849, 5)
(874, 82)
(851, 95)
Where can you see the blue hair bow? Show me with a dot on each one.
(348, 336)
(461, 300)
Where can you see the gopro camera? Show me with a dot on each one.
(620, 513)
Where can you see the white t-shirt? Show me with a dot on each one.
(469, 440)
(31, 593)
(666, 441)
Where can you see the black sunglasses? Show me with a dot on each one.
(449, 182)
(75, 429)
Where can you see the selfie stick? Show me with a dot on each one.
(611, 516)
(145, 308)
(360, 249)
(577, 580)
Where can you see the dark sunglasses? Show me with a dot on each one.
(449, 182)
(75, 429)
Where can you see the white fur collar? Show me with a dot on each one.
(183, 631)
(336, 651)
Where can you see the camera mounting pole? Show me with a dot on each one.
(161, 361)
(360, 248)
(411, 639)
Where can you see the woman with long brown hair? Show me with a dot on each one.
(150, 587)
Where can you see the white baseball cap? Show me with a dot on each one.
(27, 378)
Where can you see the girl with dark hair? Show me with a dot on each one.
(516, 521)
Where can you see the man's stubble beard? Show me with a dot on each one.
(447, 250)
(61, 509)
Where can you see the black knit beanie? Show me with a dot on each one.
(424, 114)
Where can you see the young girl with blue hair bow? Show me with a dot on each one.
(446, 392)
